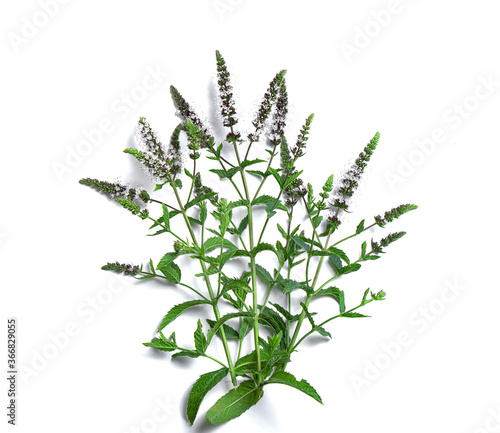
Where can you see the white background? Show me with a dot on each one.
(418, 74)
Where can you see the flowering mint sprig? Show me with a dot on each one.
(211, 228)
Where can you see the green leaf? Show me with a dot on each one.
(301, 243)
(361, 227)
(236, 284)
(339, 253)
(353, 267)
(213, 243)
(234, 204)
(353, 315)
(323, 332)
(363, 249)
(285, 313)
(335, 263)
(290, 179)
(200, 389)
(334, 292)
(262, 247)
(189, 354)
(178, 309)
(224, 319)
(199, 199)
(166, 216)
(264, 273)
(166, 259)
(203, 213)
(172, 272)
(285, 378)
(221, 173)
(162, 344)
(234, 403)
(258, 173)
(290, 285)
(317, 221)
(159, 186)
(246, 364)
(247, 163)
(231, 333)
(200, 342)
(277, 176)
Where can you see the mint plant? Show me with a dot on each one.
(270, 303)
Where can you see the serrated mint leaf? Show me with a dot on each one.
(179, 309)
(166, 259)
(172, 272)
(162, 344)
(361, 227)
(335, 293)
(200, 389)
(339, 253)
(200, 342)
(285, 378)
(234, 403)
(353, 315)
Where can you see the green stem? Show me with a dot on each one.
(329, 320)
(310, 295)
(355, 234)
(192, 181)
(253, 268)
(209, 286)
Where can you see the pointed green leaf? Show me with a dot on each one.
(339, 253)
(353, 315)
(172, 272)
(288, 379)
(162, 344)
(361, 227)
(200, 389)
(166, 216)
(234, 403)
(200, 342)
(178, 309)
(166, 259)
(334, 292)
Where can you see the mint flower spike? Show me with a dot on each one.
(394, 213)
(200, 190)
(265, 106)
(295, 190)
(302, 138)
(384, 242)
(185, 112)
(350, 181)
(159, 164)
(122, 268)
(134, 208)
(148, 139)
(278, 124)
(226, 98)
(112, 189)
